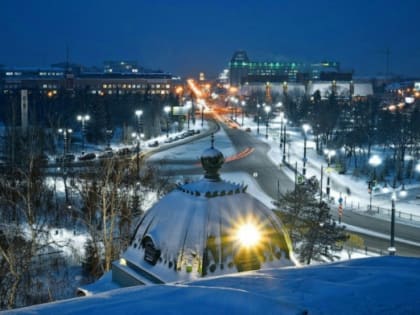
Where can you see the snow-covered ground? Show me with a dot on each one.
(353, 190)
(381, 285)
(195, 150)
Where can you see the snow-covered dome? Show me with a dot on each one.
(207, 227)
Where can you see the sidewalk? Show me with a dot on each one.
(354, 191)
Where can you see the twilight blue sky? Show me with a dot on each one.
(185, 37)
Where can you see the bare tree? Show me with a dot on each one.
(26, 204)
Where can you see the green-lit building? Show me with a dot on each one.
(243, 70)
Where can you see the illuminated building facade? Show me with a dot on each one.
(111, 81)
(243, 70)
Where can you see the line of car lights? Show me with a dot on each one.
(109, 153)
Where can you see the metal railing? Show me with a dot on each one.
(384, 213)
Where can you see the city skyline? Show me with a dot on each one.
(187, 38)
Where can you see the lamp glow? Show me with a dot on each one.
(248, 235)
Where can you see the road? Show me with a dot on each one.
(257, 164)
(274, 182)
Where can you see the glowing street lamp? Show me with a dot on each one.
(83, 119)
(284, 140)
(243, 104)
(201, 106)
(329, 153)
(66, 132)
(403, 192)
(281, 115)
(305, 128)
(373, 161)
(258, 118)
(138, 114)
(167, 109)
(267, 110)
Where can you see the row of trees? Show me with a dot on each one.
(355, 126)
(107, 112)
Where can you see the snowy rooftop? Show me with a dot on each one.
(384, 285)
(203, 228)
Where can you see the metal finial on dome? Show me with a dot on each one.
(212, 160)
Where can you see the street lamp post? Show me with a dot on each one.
(83, 119)
(202, 115)
(281, 129)
(138, 114)
(284, 140)
(373, 161)
(66, 132)
(329, 153)
(391, 248)
(167, 109)
(305, 128)
(201, 105)
(258, 118)
(235, 115)
(231, 99)
(267, 110)
(243, 112)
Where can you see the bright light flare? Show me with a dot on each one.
(248, 235)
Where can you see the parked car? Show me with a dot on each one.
(154, 144)
(87, 156)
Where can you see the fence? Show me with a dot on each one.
(385, 213)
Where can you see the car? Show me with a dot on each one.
(154, 144)
(248, 129)
(87, 156)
